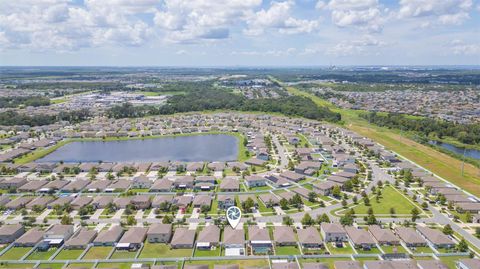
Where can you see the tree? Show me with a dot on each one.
(447, 229)
(462, 245)
(297, 201)
(355, 199)
(307, 220)
(371, 219)
(336, 191)
(167, 219)
(204, 209)
(424, 205)
(131, 220)
(323, 218)
(344, 203)
(346, 220)
(248, 205)
(284, 204)
(415, 214)
(287, 221)
(392, 211)
(366, 201)
(312, 197)
(66, 220)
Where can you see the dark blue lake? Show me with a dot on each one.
(211, 147)
(472, 153)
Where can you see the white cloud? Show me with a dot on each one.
(364, 14)
(191, 21)
(63, 25)
(447, 12)
(278, 17)
(367, 45)
(459, 47)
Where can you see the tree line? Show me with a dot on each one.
(213, 99)
(11, 118)
(15, 101)
(465, 133)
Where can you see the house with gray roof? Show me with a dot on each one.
(436, 237)
(132, 239)
(234, 241)
(333, 232)
(30, 238)
(108, 237)
(159, 233)
(208, 237)
(10, 233)
(309, 238)
(360, 238)
(410, 237)
(259, 240)
(183, 238)
(284, 236)
(81, 239)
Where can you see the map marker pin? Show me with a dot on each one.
(233, 216)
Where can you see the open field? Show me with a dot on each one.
(439, 163)
(97, 253)
(15, 253)
(390, 198)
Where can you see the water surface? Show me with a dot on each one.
(211, 147)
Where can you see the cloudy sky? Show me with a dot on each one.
(239, 32)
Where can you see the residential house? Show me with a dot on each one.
(436, 237)
(10, 233)
(360, 238)
(29, 239)
(108, 237)
(410, 237)
(229, 185)
(208, 237)
(81, 239)
(234, 241)
(333, 232)
(309, 238)
(284, 236)
(255, 181)
(259, 240)
(159, 233)
(183, 238)
(384, 236)
(225, 201)
(132, 239)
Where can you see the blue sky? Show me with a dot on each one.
(239, 32)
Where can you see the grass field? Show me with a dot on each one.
(328, 261)
(15, 253)
(51, 265)
(390, 198)
(208, 253)
(123, 254)
(41, 255)
(256, 263)
(162, 250)
(441, 164)
(97, 253)
(287, 250)
(347, 249)
(390, 249)
(69, 254)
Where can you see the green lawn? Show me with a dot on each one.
(390, 249)
(450, 260)
(51, 265)
(208, 253)
(422, 250)
(97, 253)
(390, 198)
(329, 261)
(253, 263)
(15, 253)
(115, 265)
(69, 254)
(12, 265)
(157, 250)
(41, 255)
(347, 249)
(371, 251)
(287, 250)
(123, 254)
(77, 265)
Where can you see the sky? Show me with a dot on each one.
(239, 32)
